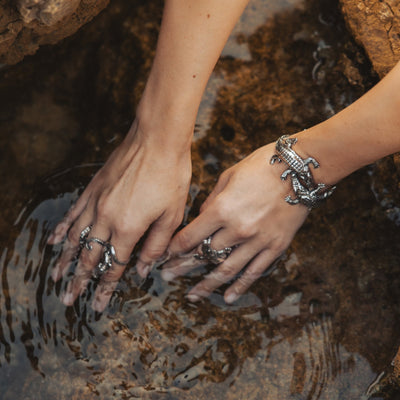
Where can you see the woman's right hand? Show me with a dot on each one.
(141, 188)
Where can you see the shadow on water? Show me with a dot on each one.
(321, 324)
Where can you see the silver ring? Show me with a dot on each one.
(206, 252)
(109, 254)
(88, 246)
(105, 263)
(83, 236)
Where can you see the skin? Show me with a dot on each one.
(143, 186)
(262, 224)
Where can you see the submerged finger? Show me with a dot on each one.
(254, 270)
(181, 265)
(193, 234)
(122, 249)
(89, 258)
(224, 272)
(70, 248)
(155, 245)
(62, 227)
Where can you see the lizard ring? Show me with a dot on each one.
(83, 236)
(109, 254)
(207, 253)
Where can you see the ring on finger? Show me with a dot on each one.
(213, 256)
(109, 256)
(83, 236)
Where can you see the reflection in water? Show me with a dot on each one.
(321, 324)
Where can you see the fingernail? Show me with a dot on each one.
(165, 257)
(144, 269)
(67, 299)
(193, 298)
(50, 239)
(167, 275)
(231, 298)
(98, 305)
(55, 235)
(55, 274)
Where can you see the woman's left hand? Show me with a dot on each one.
(245, 211)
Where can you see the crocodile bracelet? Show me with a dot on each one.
(306, 191)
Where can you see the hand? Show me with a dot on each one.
(247, 211)
(142, 187)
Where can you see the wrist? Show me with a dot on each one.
(168, 129)
(319, 143)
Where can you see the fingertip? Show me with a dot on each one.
(143, 269)
(167, 275)
(99, 304)
(194, 298)
(67, 299)
(56, 273)
(58, 233)
(231, 297)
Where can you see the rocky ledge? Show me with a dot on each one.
(25, 25)
(375, 25)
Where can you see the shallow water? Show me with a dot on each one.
(322, 324)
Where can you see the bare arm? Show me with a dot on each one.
(144, 184)
(364, 132)
(247, 208)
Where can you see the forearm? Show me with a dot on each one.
(192, 36)
(364, 132)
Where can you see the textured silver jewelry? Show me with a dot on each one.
(306, 191)
(108, 257)
(83, 236)
(207, 253)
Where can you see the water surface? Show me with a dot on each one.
(322, 324)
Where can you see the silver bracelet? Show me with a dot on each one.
(306, 191)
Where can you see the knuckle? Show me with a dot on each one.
(248, 278)
(88, 259)
(183, 240)
(222, 274)
(112, 275)
(176, 221)
(104, 207)
(73, 235)
(222, 208)
(245, 229)
(279, 245)
(124, 226)
(152, 254)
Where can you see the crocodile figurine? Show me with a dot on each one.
(306, 191)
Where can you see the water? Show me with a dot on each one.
(322, 324)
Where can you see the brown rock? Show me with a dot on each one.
(33, 23)
(375, 25)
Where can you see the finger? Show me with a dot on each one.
(123, 246)
(193, 234)
(181, 265)
(156, 244)
(71, 246)
(184, 263)
(224, 272)
(254, 270)
(219, 187)
(88, 260)
(73, 213)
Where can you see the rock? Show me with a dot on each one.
(375, 25)
(33, 23)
